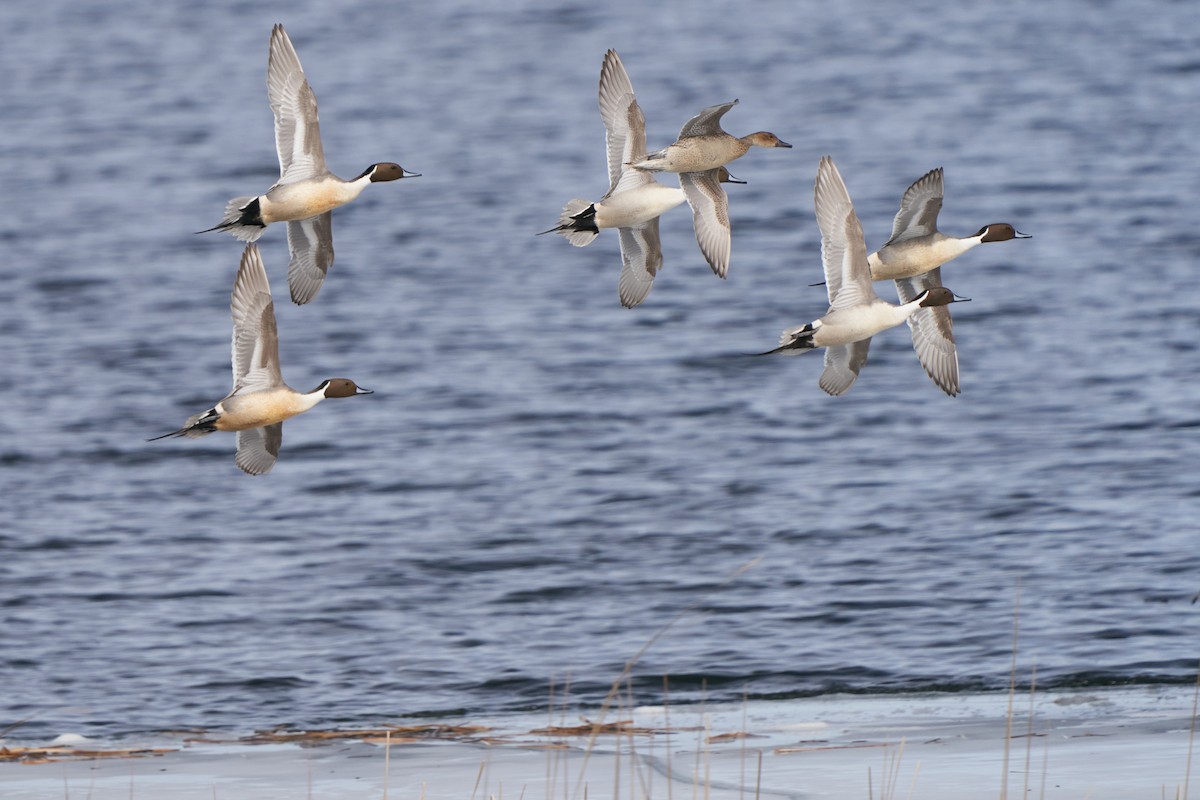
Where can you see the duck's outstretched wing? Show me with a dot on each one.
(707, 121)
(842, 365)
(255, 346)
(919, 208)
(932, 332)
(641, 258)
(311, 244)
(843, 249)
(710, 216)
(257, 448)
(297, 131)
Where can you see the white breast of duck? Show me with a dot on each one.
(854, 324)
(304, 199)
(266, 407)
(912, 257)
(633, 207)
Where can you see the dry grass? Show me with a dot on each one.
(391, 734)
(44, 755)
(632, 771)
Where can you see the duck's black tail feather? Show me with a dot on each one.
(577, 223)
(794, 341)
(243, 218)
(197, 425)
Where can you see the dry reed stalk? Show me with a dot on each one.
(1029, 730)
(551, 760)
(742, 753)
(667, 724)
(1012, 688)
(758, 778)
(627, 671)
(1045, 765)
(1187, 770)
(478, 779)
(387, 763)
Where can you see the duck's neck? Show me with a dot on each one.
(309, 399)
(953, 247)
(906, 310)
(354, 188)
(746, 142)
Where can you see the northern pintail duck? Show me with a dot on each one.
(635, 200)
(260, 400)
(306, 191)
(703, 145)
(698, 155)
(855, 312)
(913, 257)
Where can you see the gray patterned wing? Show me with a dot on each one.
(297, 131)
(932, 332)
(707, 121)
(641, 258)
(311, 244)
(255, 346)
(919, 208)
(843, 248)
(842, 365)
(710, 216)
(625, 137)
(257, 448)
(624, 123)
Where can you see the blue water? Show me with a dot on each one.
(543, 479)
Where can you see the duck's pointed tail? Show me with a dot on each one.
(243, 219)
(180, 432)
(196, 426)
(794, 341)
(577, 223)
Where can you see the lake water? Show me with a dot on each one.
(543, 479)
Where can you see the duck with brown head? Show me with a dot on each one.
(386, 171)
(855, 313)
(306, 191)
(260, 401)
(703, 145)
(698, 155)
(913, 258)
(342, 387)
(635, 200)
(1000, 232)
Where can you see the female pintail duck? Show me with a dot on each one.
(306, 190)
(635, 200)
(702, 145)
(855, 312)
(260, 400)
(699, 153)
(913, 258)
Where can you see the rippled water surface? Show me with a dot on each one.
(544, 479)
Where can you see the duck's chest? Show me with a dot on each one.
(306, 199)
(858, 323)
(261, 408)
(636, 206)
(702, 153)
(914, 257)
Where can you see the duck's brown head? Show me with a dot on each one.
(940, 296)
(765, 139)
(343, 387)
(388, 171)
(1000, 232)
